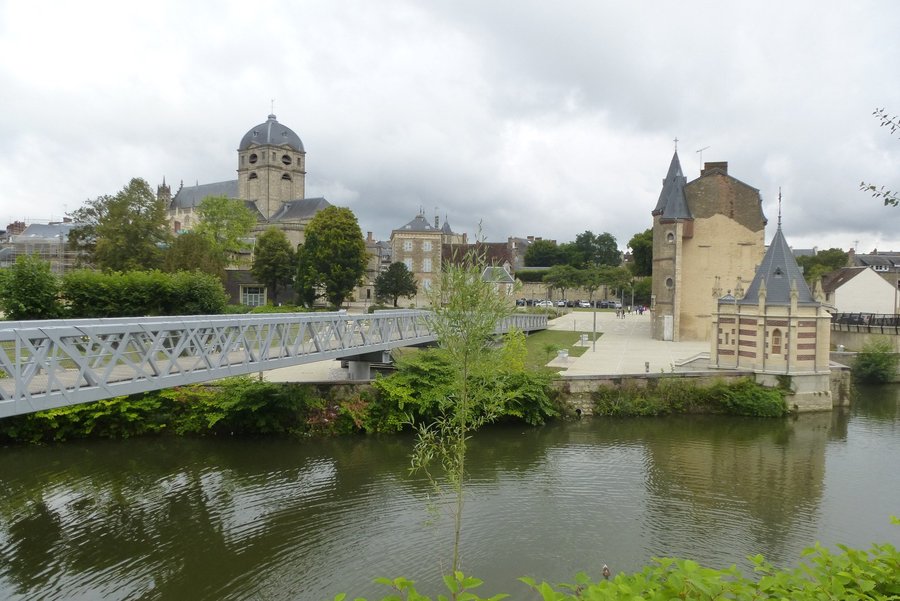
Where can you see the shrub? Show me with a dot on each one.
(876, 362)
(29, 290)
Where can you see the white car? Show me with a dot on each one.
(584, 304)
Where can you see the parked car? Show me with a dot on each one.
(561, 303)
(584, 304)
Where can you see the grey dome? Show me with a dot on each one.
(271, 133)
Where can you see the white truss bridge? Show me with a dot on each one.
(56, 363)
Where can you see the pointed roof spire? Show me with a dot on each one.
(779, 207)
(779, 275)
(672, 203)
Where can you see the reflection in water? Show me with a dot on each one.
(279, 519)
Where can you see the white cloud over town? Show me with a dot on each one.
(531, 118)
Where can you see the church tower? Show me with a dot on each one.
(271, 166)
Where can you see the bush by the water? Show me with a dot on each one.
(847, 575)
(876, 362)
(678, 395)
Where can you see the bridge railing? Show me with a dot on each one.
(866, 322)
(55, 363)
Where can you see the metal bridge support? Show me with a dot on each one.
(360, 366)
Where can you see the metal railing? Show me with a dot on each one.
(866, 322)
(56, 363)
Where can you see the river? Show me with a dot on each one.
(170, 518)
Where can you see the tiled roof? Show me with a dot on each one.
(835, 280)
(271, 133)
(191, 196)
(296, 210)
(419, 224)
(778, 272)
(672, 203)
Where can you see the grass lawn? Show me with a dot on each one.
(538, 343)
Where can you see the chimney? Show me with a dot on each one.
(719, 166)
(369, 237)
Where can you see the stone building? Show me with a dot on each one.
(272, 183)
(779, 330)
(419, 245)
(708, 238)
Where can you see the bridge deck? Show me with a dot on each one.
(64, 362)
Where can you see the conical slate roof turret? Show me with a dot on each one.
(672, 203)
(776, 274)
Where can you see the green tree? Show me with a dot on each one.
(890, 197)
(466, 310)
(226, 222)
(641, 246)
(822, 263)
(334, 255)
(191, 251)
(544, 253)
(273, 261)
(589, 249)
(123, 232)
(397, 281)
(591, 279)
(29, 290)
(876, 362)
(562, 277)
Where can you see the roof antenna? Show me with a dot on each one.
(700, 152)
(779, 207)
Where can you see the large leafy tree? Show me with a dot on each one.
(397, 281)
(641, 246)
(226, 222)
(29, 290)
(822, 263)
(123, 232)
(544, 253)
(562, 277)
(191, 251)
(333, 257)
(591, 249)
(274, 261)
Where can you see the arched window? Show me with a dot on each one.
(776, 341)
(253, 158)
(286, 159)
(670, 237)
(253, 175)
(286, 176)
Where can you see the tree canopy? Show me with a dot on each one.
(822, 263)
(589, 249)
(123, 232)
(273, 261)
(641, 246)
(226, 222)
(333, 257)
(192, 251)
(890, 197)
(29, 290)
(544, 253)
(397, 281)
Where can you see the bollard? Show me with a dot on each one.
(646, 367)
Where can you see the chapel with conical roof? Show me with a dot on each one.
(779, 330)
(708, 237)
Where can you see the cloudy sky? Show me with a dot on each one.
(533, 118)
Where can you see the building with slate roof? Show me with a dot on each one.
(859, 290)
(419, 244)
(272, 183)
(779, 330)
(708, 238)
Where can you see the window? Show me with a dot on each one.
(407, 245)
(670, 237)
(426, 284)
(253, 158)
(253, 296)
(670, 283)
(776, 342)
(408, 263)
(286, 159)
(426, 267)
(253, 175)
(426, 246)
(286, 176)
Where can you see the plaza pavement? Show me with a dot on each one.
(623, 348)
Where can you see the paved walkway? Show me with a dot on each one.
(625, 346)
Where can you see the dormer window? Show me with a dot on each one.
(778, 272)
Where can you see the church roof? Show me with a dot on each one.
(672, 203)
(296, 210)
(419, 224)
(271, 133)
(191, 196)
(777, 273)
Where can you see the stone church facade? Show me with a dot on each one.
(272, 183)
(708, 238)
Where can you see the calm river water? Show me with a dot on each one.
(276, 519)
